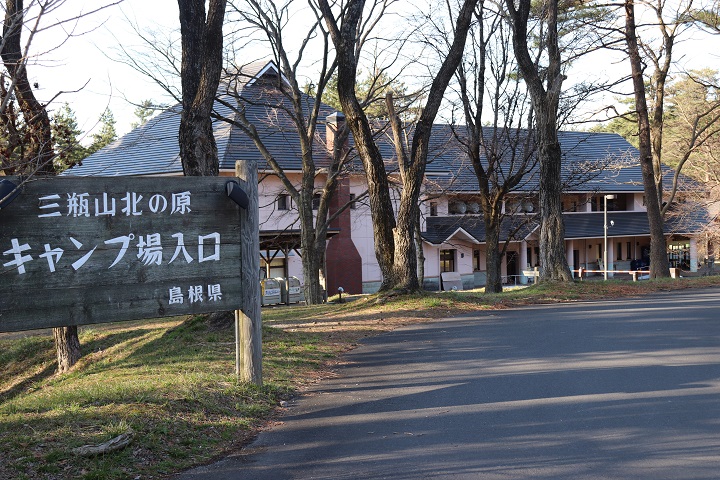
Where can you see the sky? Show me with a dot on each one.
(66, 64)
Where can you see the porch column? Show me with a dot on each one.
(523, 262)
(693, 255)
(569, 254)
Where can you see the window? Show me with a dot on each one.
(282, 202)
(628, 253)
(316, 201)
(569, 205)
(353, 205)
(612, 204)
(433, 209)
(447, 260)
(619, 251)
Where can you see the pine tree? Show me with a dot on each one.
(143, 113)
(371, 90)
(107, 133)
(65, 134)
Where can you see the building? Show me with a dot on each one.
(452, 228)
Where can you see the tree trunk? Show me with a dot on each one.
(545, 101)
(657, 120)
(493, 282)
(420, 252)
(406, 273)
(394, 242)
(200, 76)
(67, 347)
(659, 266)
(38, 152)
(381, 207)
(311, 274)
(553, 262)
(312, 244)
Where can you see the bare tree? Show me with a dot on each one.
(37, 144)
(290, 107)
(202, 61)
(501, 151)
(650, 47)
(27, 131)
(305, 112)
(545, 86)
(660, 57)
(659, 266)
(691, 128)
(395, 246)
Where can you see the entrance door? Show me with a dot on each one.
(512, 266)
(447, 260)
(576, 259)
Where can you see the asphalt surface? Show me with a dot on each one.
(625, 389)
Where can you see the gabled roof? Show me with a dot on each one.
(153, 149)
(471, 228)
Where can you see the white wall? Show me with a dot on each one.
(637, 202)
(362, 232)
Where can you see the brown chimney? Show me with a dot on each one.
(343, 261)
(334, 123)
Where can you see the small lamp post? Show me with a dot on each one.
(605, 255)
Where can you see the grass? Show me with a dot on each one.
(172, 381)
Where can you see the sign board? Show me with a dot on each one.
(98, 249)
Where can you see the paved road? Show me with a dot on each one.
(613, 390)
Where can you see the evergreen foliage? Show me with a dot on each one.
(370, 90)
(107, 133)
(66, 143)
(143, 112)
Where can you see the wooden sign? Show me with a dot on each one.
(97, 249)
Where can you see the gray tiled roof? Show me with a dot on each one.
(577, 225)
(148, 150)
(152, 149)
(627, 224)
(590, 225)
(612, 158)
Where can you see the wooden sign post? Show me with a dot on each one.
(248, 323)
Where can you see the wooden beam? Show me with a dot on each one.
(248, 321)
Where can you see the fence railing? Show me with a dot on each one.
(581, 273)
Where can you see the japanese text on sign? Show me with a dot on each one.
(132, 203)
